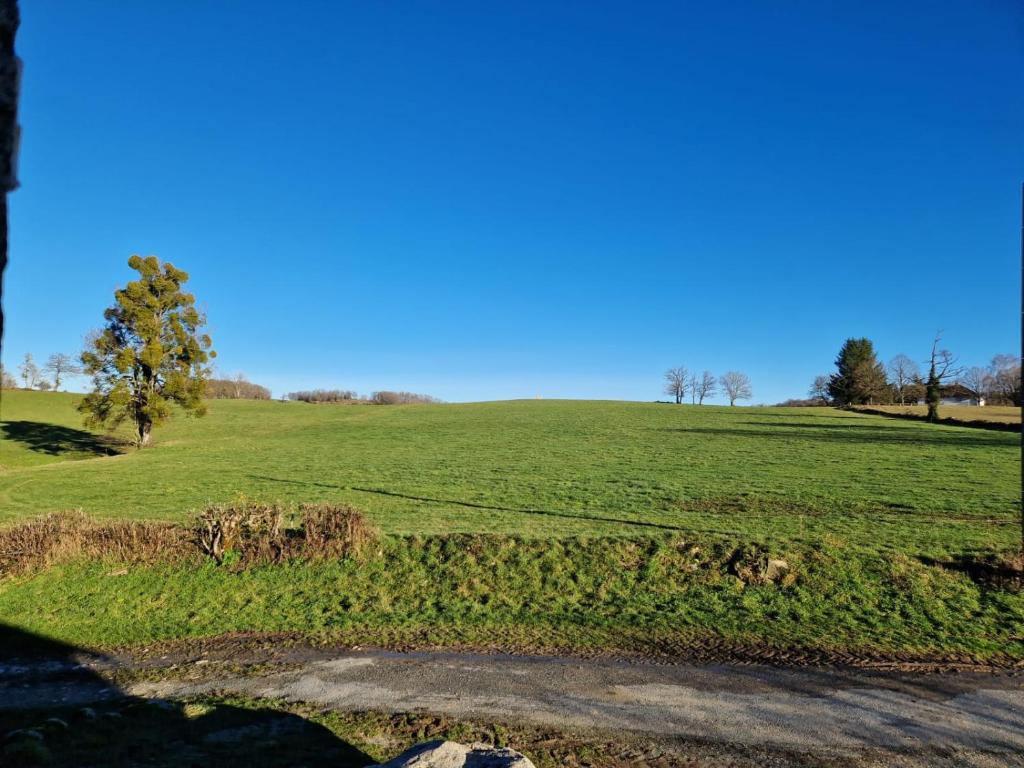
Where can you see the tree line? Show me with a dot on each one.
(679, 381)
(236, 388)
(860, 379)
(58, 365)
(383, 397)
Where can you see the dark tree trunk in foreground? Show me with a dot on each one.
(9, 67)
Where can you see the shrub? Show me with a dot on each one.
(330, 531)
(251, 531)
(63, 536)
(243, 533)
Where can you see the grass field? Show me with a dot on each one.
(553, 526)
(1001, 414)
(538, 468)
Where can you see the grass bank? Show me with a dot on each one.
(654, 595)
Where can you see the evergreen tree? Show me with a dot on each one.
(860, 378)
(150, 355)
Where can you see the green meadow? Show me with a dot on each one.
(535, 468)
(553, 526)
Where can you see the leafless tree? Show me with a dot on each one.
(60, 365)
(977, 380)
(942, 367)
(29, 372)
(705, 386)
(675, 383)
(736, 386)
(902, 373)
(819, 388)
(1005, 376)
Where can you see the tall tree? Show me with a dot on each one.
(705, 386)
(675, 383)
(736, 386)
(860, 378)
(150, 355)
(60, 365)
(29, 372)
(902, 373)
(942, 367)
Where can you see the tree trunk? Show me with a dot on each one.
(933, 394)
(145, 427)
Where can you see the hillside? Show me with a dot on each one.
(535, 468)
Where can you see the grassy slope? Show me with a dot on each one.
(547, 468)
(850, 500)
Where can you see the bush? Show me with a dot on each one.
(250, 531)
(331, 531)
(243, 534)
(64, 536)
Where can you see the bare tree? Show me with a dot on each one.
(902, 373)
(691, 385)
(6, 380)
(675, 383)
(29, 372)
(60, 365)
(942, 366)
(736, 386)
(705, 386)
(977, 380)
(1005, 376)
(819, 388)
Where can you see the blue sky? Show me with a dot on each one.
(486, 201)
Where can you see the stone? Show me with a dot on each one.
(24, 734)
(449, 754)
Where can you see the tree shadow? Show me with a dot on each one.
(56, 710)
(988, 571)
(55, 440)
(581, 517)
(852, 433)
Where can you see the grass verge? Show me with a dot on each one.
(654, 595)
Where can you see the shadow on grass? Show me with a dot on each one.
(985, 571)
(55, 440)
(474, 505)
(852, 433)
(66, 714)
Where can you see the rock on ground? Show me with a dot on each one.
(449, 754)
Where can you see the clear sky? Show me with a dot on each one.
(499, 200)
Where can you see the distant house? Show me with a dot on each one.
(956, 394)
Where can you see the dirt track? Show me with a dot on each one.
(975, 718)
